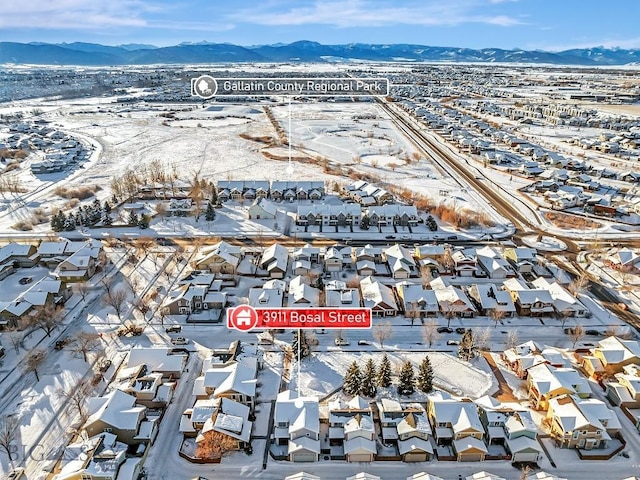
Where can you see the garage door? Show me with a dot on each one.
(470, 457)
(304, 457)
(525, 457)
(362, 457)
(415, 457)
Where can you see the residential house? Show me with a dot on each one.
(219, 258)
(494, 264)
(456, 422)
(230, 419)
(46, 291)
(367, 253)
(392, 214)
(360, 438)
(529, 302)
(378, 297)
(235, 381)
(341, 297)
(307, 253)
(565, 304)
(521, 441)
(454, 302)
(302, 295)
(391, 414)
(400, 261)
(262, 209)
(488, 298)
(413, 437)
(615, 353)
(266, 297)
(464, 263)
(328, 215)
(239, 190)
(100, 457)
(523, 259)
(119, 414)
(368, 194)
(340, 413)
(416, 301)
(577, 423)
(521, 357)
(297, 425)
(483, 476)
(625, 389)
(21, 254)
(157, 360)
(275, 260)
(301, 190)
(149, 389)
(189, 298)
(546, 382)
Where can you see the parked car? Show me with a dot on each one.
(460, 330)
(445, 330)
(178, 351)
(452, 237)
(16, 474)
(592, 332)
(25, 280)
(179, 341)
(341, 342)
(173, 329)
(569, 330)
(390, 237)
(364, 342)
(60, 344)
(453, 342)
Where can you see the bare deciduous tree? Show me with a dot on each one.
(576, 334)
(9, 434)
(85, 342)
(382, 332)
(496, 316)
(83, 289)
(33, 362)
(430, 333)
(144, 244)
(77, 396)
(46, 317)
(482, 338)
(512, 338)
(578, 285)
(117, 299)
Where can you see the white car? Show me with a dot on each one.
(341, 342)
(179, 341)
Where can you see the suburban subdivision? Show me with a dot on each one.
(458, 262)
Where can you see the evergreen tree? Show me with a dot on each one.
(144, 221)
(107, 220)
(58, 221)
(384, 372)
(467, 348)
(368, 383)
(407, 382)
(425, 375)
(352, 379)
(133, 219)
(305, 345)
(107, 207)
(70, 223)
(210, 213)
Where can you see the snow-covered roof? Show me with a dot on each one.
(574, 414)
(117, 409)
(233, 419)
(266, 297)
(297, 412)
(423, 476)
(359, 445)
(375, 294)
(414, 444)
(460, 414)
(544, 476)
(157, 359)
(483, 476)
(549, 379)
(469, 443)
(414, 294)
(616, 350)
(275, 257)
(235, 377)
(302, 476)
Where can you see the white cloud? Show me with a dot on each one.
(370, 13)
(625, 43)
(77, 14)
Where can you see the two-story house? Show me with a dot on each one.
(546, 382)
(297, 425)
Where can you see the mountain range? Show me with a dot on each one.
(79, 53)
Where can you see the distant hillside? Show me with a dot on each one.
(79, 53)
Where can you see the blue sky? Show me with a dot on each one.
(527, 24)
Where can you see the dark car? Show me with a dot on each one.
(390, 237)
(592, 332)
(445, 330)
(173, 329)
(460, 330)
(569, 330)
(25, 280)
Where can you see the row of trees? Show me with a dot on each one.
(85, 216)
(366, 381)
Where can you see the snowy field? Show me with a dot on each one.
(323, 374)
